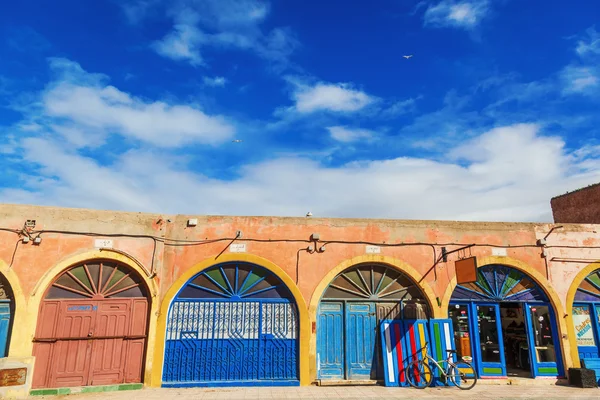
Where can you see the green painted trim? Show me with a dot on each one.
(489, 370)
(86, 389)
(548, 370)
(49, 392)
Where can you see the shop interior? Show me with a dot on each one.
(516, 345)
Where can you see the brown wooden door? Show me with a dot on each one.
(71, 352)
(91, 328)
(109, 347)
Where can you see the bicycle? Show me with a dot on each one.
(461, 373)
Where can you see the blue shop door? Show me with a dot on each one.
(4, 325)
(585, 332)
(488, 340)
(361, 328)
(544, 347)
(330, 345)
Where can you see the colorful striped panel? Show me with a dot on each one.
(392, 333)
(441, 341)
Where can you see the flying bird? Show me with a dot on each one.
(407, 57)
(237, 141)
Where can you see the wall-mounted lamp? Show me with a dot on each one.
(37, 240)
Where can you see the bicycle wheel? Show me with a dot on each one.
(463, 375)
(418, 374)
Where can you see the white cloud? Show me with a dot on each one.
(223, 24)
(507, 174)
(83, 108)
(182, 44)
(589, 46)
(580, 79)
(339, 97)
(400, 108)
(461, 14)
(346, 135)
(217, 81)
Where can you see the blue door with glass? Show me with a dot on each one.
(488, 340)
(361, 328)
(234, 324)
(4, 326)
(330, 351)
(487, 331)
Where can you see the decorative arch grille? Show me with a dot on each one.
(589, 289)
(500, 283)
(97, 280)
(372, 282)
(235, 322)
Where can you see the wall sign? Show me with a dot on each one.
(237, 248)
(583, 326)
(466, 270)
(13, 377)
(103, 243)
(370, 249)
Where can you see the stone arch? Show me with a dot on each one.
(39, 291)
(541, 281)
(399, 265)
(581, 275)
(18, 308)
(304, 330)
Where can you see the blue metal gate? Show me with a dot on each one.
(234, 324)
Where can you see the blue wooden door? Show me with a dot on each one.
(586, 335)
(361, 328)
(330, 346)
(4, 325)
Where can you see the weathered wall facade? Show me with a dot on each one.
(166, 253)
(578, 207)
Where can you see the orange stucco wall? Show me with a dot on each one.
(32, 263)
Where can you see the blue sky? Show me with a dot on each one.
(278, 108)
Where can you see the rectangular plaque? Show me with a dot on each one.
(370, 249)
(13, 377)
(103, 243)
(499, 251)
(237, 248)
(466, 270)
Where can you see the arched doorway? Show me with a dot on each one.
(232, 324)
(7, 307)
(586, 316)
(92, 327)
(505, 322)
(348, 344)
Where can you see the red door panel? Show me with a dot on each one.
(71, 358)
(43, 350)
(109, 354)
(137, 345)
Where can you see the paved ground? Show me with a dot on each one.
(483, 392)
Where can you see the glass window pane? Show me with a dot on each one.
(459, 314)
(542, 334)
(488, 334)
(582, 322)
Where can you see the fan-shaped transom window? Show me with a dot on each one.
(235, 281)
(589, 289)
(97, 280)
(500, 283)
(372, 282)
